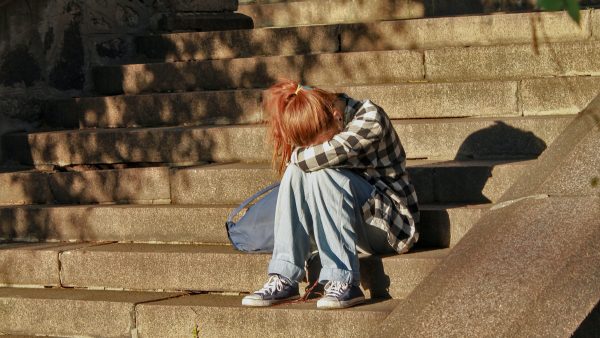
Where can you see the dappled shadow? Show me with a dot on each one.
(193, 113)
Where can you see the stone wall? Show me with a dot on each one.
(47, 47)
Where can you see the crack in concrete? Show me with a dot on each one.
(511, 202)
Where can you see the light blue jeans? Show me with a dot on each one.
(324, 205)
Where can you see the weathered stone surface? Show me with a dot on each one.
(218, 316)
(437, 100)
(416, 100)
(462, 139)
(175, 145)
(475, 182)
(214, 184)
(440, 226)
(550, 315)
(479, 138)
(565, 95)
(199, 267)
(385, 35)
(515, 61)
(168, 267)
(508, 276)
(207, 22)
(203, 5)
(480, 30)
(505, 268)
(434, 181)
(580, 173)
(193, 108)
(62, 312)
(24, 188)
(124, 223)
(260, 72)
(573, 159)
(396, 276)
(32, 264)
(240, 43)
(319, 12)
(134, 185)
(443, 226)
(596, 24)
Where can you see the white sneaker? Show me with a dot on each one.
(277, 289)
(339, 295)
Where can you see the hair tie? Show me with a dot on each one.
(302, 87)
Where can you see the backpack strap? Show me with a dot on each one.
(249, 200)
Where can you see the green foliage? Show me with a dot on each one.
(572, 7)
(195, 332)
(595, 182)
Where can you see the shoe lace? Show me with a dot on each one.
(335, 288)
(275, 283)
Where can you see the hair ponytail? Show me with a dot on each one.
(297, 115)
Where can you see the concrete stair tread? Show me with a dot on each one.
(428, 121)
(535, 96)
(75, 312)
(226, 250)
(477, 138)
(442, 225)
(242, 106)
(169, 298)
(176, 267)
(167, 184)
(84, 295)
(71, 312)
(377, 67)
(318, 12)
(476, 30)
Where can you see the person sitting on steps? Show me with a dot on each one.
(344, 185)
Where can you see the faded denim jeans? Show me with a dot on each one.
(324, 205)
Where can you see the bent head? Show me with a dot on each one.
(300, 116)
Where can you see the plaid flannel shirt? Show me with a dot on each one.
(370, 146)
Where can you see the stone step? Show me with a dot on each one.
(564, 95)
(441, 225)
(514, 61)
(134, 185)
(72, 312)
(206, 22)
(374, 67)
(218, 316)
(260, 72)
(69, 312)
(467, 138)
(193, 267)
(478, 30)
(33, 264)
(435, 182)
(219, 268)
(333, 11)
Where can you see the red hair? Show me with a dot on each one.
(297, 116)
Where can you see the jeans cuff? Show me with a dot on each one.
(339, 275)
(286, 269)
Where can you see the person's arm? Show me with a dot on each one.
(360, 137)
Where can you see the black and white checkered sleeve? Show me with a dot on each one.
(357, 139)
